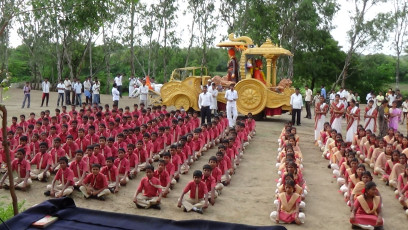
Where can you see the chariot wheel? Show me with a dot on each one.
(252, 96)
(182, 100)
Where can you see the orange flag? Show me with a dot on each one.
(148, 82)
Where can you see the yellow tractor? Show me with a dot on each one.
(184, 87)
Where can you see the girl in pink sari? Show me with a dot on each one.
(395, 116)
(367, 211)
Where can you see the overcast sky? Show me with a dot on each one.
(341, 22)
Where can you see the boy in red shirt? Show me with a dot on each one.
(123, 165)
(216, 173)
(70, 147)
(133, 157)
(105, 150)
(184, 159)
(63, 183)
(79, 167)
(113, 149)
(56, 153)
(95, 184)
(22, 167)
(222, 165)
(152, 191)
(111, 173)
(198, 199)
(164, 178)
(43, 160)
(209, 180)
(198, 144)
(81, 141)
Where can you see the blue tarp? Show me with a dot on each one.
(71, 217)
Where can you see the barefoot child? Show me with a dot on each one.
(63, 183)
(111, 173)
(22, 168)
(79, 167)
(198, 199)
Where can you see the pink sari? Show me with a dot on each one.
(394, 120)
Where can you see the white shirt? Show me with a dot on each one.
(132, 82)
(96, 87)
(87, 85)
(46, 87)
(368, 97)
(118, 80)
(308, 95)
(61, 87)
(115, 94)
(78, 87)
(144, 90)
(68, 85)
(231, 96)
(296, 101)
(391, 98)
(204, 99)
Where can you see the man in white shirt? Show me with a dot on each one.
(78, 92)
(296, 102)
(96, 87)
(118, 81)
(332, 96)
(68, 89)
(214, 92)
(232, 113)
(308, 100)
(144, 91)
(87, 90)
(204, 103)
(61, 91)
(46, 91)
(115, 95)
(391, 98)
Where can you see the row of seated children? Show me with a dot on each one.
(388, 158)
(356, 183)
(93, 185)
(292, 188)
(206, 185)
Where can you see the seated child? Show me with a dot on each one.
(397, 170)
(22, 168)
(95, 184)
(63, 183)
(123, 165)
(163, 176)
(198, 199)
(367, 211)
(43, 160)
(288, 206)
(152, 191)
(79, 167)
(209, 180)
(111, 173)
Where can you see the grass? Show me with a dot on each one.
(6, 210)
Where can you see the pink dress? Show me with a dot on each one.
(362, 217)
(394, 120)
(285, 216)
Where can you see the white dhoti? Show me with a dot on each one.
(232, 113)
(351, 131)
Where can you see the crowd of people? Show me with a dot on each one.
(97, 150)
(72, 92)
(291, 187)
(361, 154)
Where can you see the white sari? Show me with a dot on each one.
(352, 129)
(319, 121)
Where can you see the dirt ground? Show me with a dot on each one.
(249, 198)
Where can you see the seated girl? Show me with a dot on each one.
(367, 213)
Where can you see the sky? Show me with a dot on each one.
(341, 23)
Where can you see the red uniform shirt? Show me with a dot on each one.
(176, 161)
(133, 160)
(65, 175)
(82, 143)
(163, 177)
(106, 151)
(70, 149)
(21, 167)
(56, 153)
(216, 173)
(209, 182)
(170, 168)
(148, 189)
(79, 168)
(123, 165)
(110, 173)
(42, 160)
(192, 186)
(97, 182)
